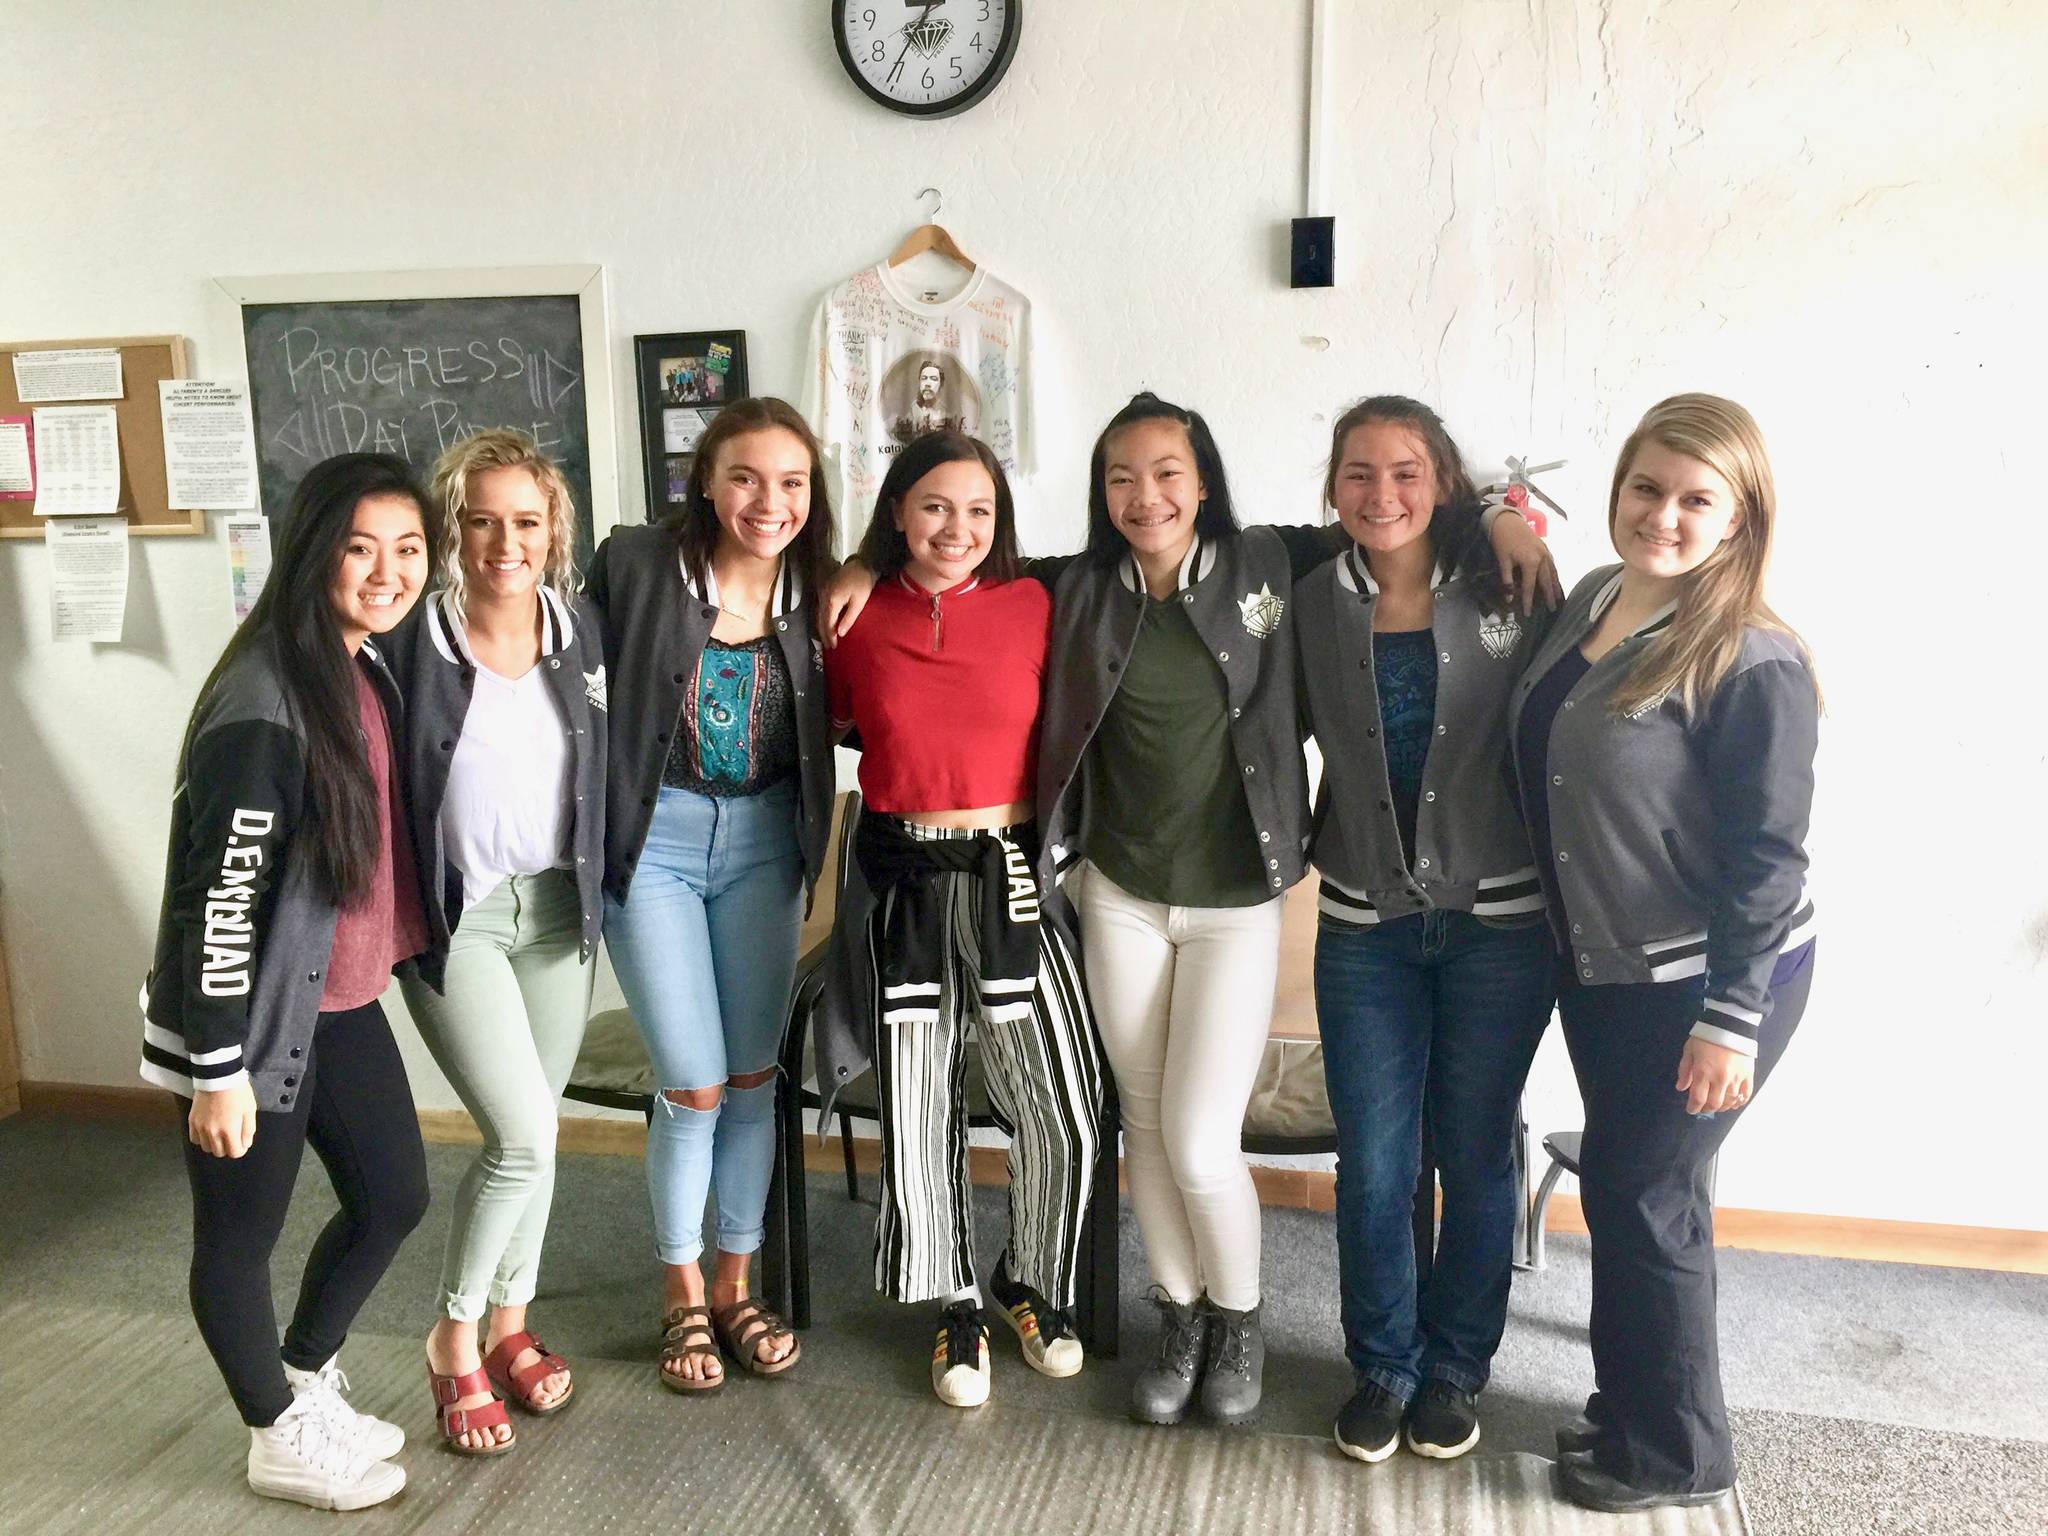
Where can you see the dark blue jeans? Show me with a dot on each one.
(1435, 1014)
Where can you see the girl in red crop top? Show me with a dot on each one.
(942, 923)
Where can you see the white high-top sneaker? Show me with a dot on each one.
(302, 1457)
(320, 1391)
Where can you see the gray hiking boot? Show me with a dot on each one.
(1163, 1389)
(1233, 1372)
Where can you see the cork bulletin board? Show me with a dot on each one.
(145, 360)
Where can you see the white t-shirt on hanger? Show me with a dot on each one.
(899, 351)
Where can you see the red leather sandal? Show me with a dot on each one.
(455, 1422)
(519, 1385)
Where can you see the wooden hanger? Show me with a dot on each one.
(931, 236)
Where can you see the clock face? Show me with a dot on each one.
(927, 58)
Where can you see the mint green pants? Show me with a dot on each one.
(506, 1032)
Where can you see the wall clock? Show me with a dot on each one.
(927, 58)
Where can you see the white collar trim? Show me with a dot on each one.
(788, 594)
(1605, 599)
(451, 639)
(1199, 561)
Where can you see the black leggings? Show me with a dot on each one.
(356, 1108)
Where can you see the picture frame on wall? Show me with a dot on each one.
(686, 379)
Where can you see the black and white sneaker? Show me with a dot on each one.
(960, 1357)
(1443, 1420)
(1369, 1426)
(1045, 1332)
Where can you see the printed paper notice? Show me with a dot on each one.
(17, 460)
(78, 461)
(81, 373)
(209, 446)
(88, 577)
(681, 428)
(248, 560)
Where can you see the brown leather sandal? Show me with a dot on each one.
(744, 1326)
(519, 1385)
(687, 1331)
(455, 1422)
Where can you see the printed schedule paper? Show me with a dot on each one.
(248, 560)
(209, 445)
(17, 460)
(77, 373)
(78, 461)
(88, 577)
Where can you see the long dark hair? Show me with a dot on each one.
(1216, 519)
(696, 522)
(885, 551)
(294, 620)
(1456, 538)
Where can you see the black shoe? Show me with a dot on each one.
(1443, 1420)
(1234, 1366)
(1045, 1332)
(1162, 1392)
(1590, 1488)
(1369, 1426)
(1582, 1434)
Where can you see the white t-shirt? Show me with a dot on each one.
(899, 351)
(507, 809)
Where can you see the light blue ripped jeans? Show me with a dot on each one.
(704, 946)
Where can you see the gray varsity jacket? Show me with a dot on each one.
(1471, 852)
(1237, 591)
(244, 936)
(1679, 840)
(438, 676)
(656, 622)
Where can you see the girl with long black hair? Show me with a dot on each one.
(289, 896)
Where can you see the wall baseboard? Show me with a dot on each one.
(1833, 1237)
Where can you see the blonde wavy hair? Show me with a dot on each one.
(1725, 593)
(502, 448)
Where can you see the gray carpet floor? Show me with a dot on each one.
(1866, 1397)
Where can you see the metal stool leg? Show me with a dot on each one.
(1538, 1211)
(846, 1152)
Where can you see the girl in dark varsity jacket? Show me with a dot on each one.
(289, 895)
(1434, 974)
(503, 672)
(718, 803)
(1664, 738)
(940, 924)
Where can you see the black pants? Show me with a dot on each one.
(1643, 1177)
(355, 1106)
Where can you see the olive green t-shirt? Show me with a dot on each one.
(1164, 813)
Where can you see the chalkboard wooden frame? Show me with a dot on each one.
(584, 282)
(664, 470)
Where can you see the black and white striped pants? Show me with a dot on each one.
(1044, 1075)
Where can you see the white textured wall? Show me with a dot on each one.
(1549, 215)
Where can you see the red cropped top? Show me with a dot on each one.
(944, 690)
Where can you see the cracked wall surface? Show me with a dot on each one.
(1549, 214)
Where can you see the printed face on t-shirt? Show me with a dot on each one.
(929, 378)
(948, 518)
(760, 487)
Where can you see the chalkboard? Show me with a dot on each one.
(412, 375)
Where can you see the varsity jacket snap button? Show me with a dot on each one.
(1557, 778)
(1564, 858)
(680, 678)
(1235, 713)
(1445, 657)
(1422, 863)
(1272, 863)
(554, 663)
(296, 1053)
(291, 1082)
(1249, 769)
(1115, 666)
(1443, 730)
(447, 746)
(662, 737)
(1265, 837)
(782, 623)
(1223, 655)
(1187, 597)
(1585, 959)
(1276, 881)
(312, 976)
(1429, 794)
(1587, 974)
(1363, 664)
(284, 1098)
(1578, 927)
(1372, 730)
(839, 1072)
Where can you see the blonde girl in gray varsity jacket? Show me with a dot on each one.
(1664, 738)
(503, 672)
(289, 893)
(1434, 970)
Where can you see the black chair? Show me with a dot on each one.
(786, 1273)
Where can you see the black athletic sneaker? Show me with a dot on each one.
(1369, 1426)
(1443, 1421)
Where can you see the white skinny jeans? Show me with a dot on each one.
(1183, 999)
